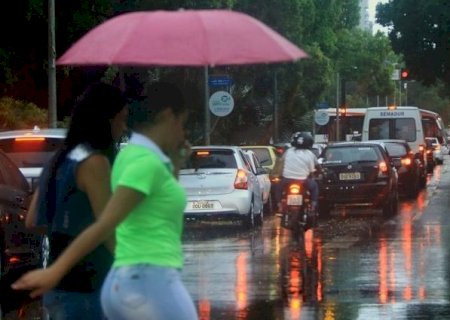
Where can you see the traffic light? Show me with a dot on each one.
(404, 74)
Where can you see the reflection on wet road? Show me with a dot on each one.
(354, 266)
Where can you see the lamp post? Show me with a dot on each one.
(51, 66)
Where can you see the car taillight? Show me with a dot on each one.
(241, 181)
(421, 148)
(14, 259)
(406, 161)
(294, 188)
(382, 169)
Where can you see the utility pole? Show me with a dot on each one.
(338, 101)
(51, 66)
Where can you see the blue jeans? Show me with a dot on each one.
(146, 292)
(69, 305)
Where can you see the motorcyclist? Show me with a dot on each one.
(300, 163)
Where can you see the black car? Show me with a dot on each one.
(412, 174)
(357, 174)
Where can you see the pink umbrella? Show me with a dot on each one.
(181, 38)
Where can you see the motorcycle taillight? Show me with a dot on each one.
(295, 188)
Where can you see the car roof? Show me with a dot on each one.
(36, 131)
(355, 143)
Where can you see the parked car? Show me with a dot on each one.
(357, 174)
(412, 175)
(30, 150)
(263, 178)
(18, 246)
(267, 155)
(220, 184)
(438, 150)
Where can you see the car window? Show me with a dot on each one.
(396, 150)
(351, 154)
(211, 159)
(10, 174)
(30, 152)
(402, 128)
(263, 155)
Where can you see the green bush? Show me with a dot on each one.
(16, 114)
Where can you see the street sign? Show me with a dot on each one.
(221, 103)
(220, 81)
(322, 105)
(321, 117)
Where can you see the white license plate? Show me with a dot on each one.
(202, 205)
(350, 176)
(294, 200)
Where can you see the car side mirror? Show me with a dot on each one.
(261, 170)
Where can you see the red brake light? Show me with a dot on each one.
(382, 169)
(29, 138)
(202, 153)
(421, 148)
(294, 189)
(241, 181)
(14, 259)
(406, 161)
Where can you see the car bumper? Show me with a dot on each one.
(225, 206)
(355, 195)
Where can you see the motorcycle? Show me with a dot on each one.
(297, 213)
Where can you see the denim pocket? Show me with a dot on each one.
(130, 286)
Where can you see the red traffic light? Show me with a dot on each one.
(404, 74)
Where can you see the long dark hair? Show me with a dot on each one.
(90, 124)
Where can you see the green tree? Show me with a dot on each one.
(420, 31)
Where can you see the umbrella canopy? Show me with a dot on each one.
(181, 38)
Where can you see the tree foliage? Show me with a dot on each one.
(323, 28)
(420, 31)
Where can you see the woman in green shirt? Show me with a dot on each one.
(146, 213)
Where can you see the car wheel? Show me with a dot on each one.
(268, 206)
(413, 189)
(391, 207)
(45, 251)
(324, 210)
(249, 218)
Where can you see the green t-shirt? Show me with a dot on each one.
(151, 233)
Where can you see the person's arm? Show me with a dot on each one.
(94, 178)
(121, 203)
(30, 219)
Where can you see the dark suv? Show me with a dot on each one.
(412, 174)
(357, 174)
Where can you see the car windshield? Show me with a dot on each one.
(350, 154)
(211, 159)
(30, 152)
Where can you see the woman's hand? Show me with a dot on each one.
(37, 281)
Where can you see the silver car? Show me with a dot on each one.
(220, 184)
(31, 149)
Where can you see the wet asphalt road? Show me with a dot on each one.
(356, 265)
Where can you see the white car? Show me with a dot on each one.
(31, 149)
(220, 184)
(439, 150)
(263, 177)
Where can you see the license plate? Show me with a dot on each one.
(202, 205)
(294, 200)
(350, 176)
